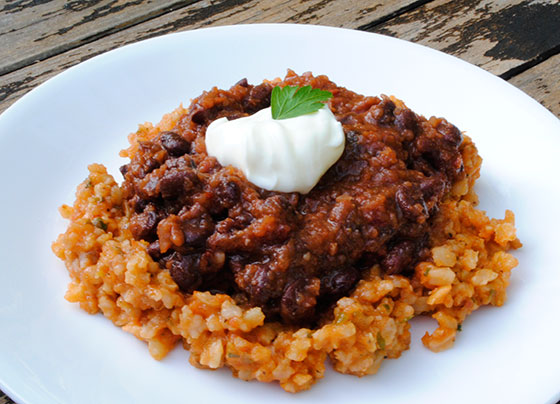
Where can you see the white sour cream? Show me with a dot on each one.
(287, 155)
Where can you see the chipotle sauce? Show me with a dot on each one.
(289, 253)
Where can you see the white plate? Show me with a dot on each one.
(52, 352)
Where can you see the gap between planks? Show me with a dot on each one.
(35, 31)
(453, 26)
(201, 14)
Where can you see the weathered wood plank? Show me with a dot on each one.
(35, 30)
(4, 399)
(336, 13)
(542, 82)
(224, 12)
(495, 35)
(342, 13)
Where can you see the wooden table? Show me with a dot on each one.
(518, 40)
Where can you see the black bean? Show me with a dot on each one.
(154, 250)
(228, 193)
(388, 111)
(150, 165)
(148, 187)
(410, 202)
(173, 183)
(406, 120)
(433, 189)
(442, 155)
(197, 230)
(298, 300)
(243, 83)
(123, 169)
(382, 113)
(144, 225)
(217, 291)
(260, 285)
(339, 281)
(450, 133)
(199, 117)
(138, 204)
(259, 98)
(242, 220)
(399, 257)
(344, 169)
(174, 143)
(184, 271)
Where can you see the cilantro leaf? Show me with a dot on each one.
(289, 102)
(380, 341)
(97, 222)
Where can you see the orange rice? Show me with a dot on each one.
(112, 273)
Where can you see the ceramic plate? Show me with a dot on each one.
(52, 352)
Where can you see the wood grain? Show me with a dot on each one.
(31, 31)
(341, 13)
(34, 30)
(454, 27)
(542, 82)
(496, 35)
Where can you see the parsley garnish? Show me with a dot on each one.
(97, 222)
(289, 102)
(380, 341)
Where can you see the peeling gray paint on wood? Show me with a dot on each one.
(446, 25)
(34, 30)
(339, 13)
(201, 14)
(495, 35)
(542, 82)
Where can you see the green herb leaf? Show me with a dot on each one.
(460, 327)
(289, 102)
(380, 341)
(97, 222)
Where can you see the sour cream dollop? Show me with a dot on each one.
(287, 155)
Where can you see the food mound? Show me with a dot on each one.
(268, 283)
